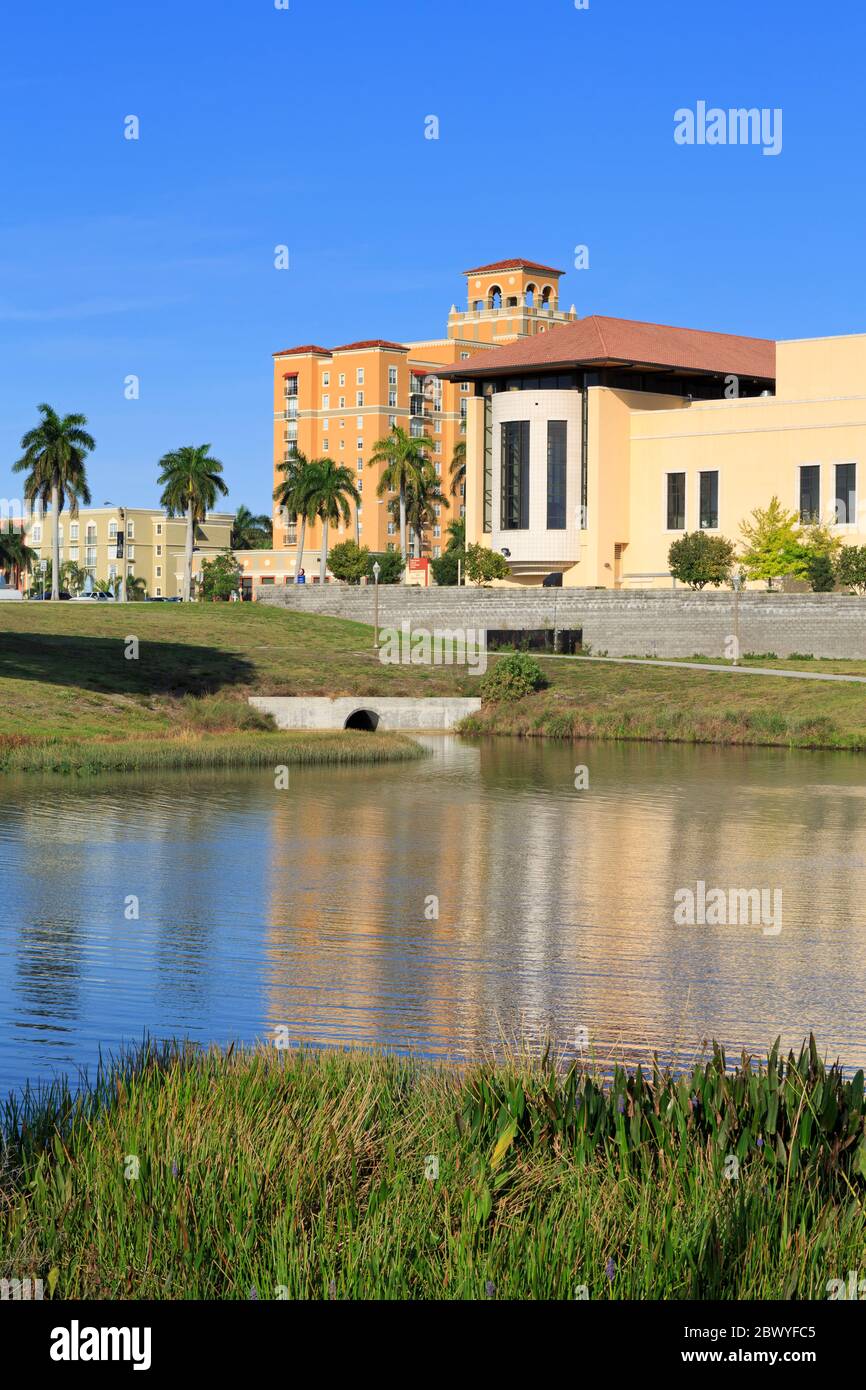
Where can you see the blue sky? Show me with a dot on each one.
(260, 127)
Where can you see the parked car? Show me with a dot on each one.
(47, 596)
(99, 597)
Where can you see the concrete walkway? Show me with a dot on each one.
(706, 666)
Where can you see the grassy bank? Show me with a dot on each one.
(269, 1174)
(65, 677)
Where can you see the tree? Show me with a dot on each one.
(16, 558)
(295, 494)
(851, 567)
(422, 496)
(251, 532)
(332, 489)
(482, 565)
(513, 677)
(458, 465)
(72, 577)
(350, 561)
(698, 559)
(190, 479)
(402, 458)
(220, 577)
(445, 567)
(773, 547)
(53, 459)
(821, 548)
(391, 566)
(456, 533)
(136, 587)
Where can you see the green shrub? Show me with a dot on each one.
(512, 677)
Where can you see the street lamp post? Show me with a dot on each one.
(737, 583)
(120, 554)
(376, 571)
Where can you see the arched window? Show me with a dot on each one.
(545, 297)
(530, 295)
(494, 297)
(478, 305)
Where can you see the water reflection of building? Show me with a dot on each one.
(556, 906)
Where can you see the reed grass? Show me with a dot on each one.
(299, 1174)
(198, 752)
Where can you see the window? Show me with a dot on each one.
(112, 529)
(392, 528)
(90, 556)
(515, 475)
(810, 493)
(359, 398)
(437, 551)
(326, 378)
(360, 465)
(557, 436)
(676, 508)
(464, 387)
(464, 356)
(846, 494)
(437, 531)
(709, 501)
(390, 545)
(36, 534)
(359, 484)
(325, 425)
(73, 531)
(60, 533)
(130, 552)
(159, 550)
(392, 420)
(359, 422)
(326, 402)
(359, 377)
(360, 444)
(159, 571)
(325, 445)
(159, 528)
(158, 591)
(437, 446)
(342, 378)
(342, 402)
(73, 553)
(392, 376)
(130, 530)
(392, 399)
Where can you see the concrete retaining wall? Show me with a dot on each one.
(618, 623)
(389, 712)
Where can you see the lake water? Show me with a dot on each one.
(312, 908)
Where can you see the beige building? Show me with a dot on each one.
(591, 449)
(153, 545)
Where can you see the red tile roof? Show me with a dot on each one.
(371, 343)
(308, 347)
(600, 340)
(514, 265)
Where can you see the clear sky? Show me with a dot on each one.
(306, 127)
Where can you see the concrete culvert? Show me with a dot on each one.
(366, 719)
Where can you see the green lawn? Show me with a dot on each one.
(64, 676)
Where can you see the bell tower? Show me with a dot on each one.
(509, 300)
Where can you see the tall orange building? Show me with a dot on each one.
(340, 401)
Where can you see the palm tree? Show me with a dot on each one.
(333, 486)
(53, 459)
(136, 584)
(458, 465)
(402, 457)
(251, 532)
(15, 556)
(72, 577)
(456, 532)
(421, 497)
(295, 493)
(190, 480)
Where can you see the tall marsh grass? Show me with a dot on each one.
(266, 1174)
(203, 751)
